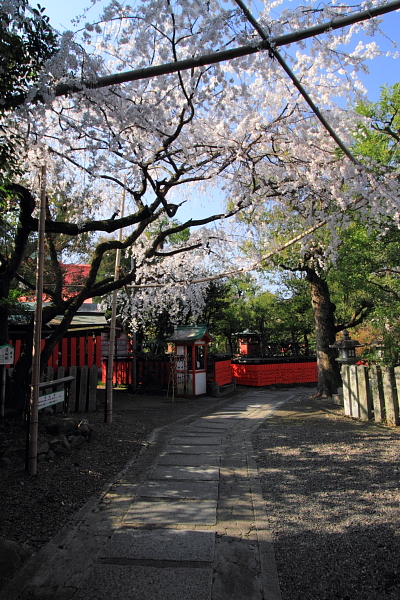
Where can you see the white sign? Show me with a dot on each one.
(49, 399)
(6, 355)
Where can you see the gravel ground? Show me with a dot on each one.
(331, 487)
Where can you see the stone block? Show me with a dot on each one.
(185, 473)
(116, 582)
(197, 512)
(162, 544)
(189, 460)
(205, 490)
(196, 440)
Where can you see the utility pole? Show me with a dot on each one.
(108, 408)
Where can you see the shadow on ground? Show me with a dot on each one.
(331, 488)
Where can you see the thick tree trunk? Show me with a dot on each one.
(3, 314)
(324, 312)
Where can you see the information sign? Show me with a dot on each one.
(49, 399)
(6, 355)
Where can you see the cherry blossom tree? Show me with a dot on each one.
(237, 125)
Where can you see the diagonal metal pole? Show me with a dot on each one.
(212, 58)
(274, 52)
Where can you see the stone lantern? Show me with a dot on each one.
(378, 346)
(347, 349)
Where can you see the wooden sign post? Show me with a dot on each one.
(6, 358)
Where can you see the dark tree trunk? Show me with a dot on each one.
(4, 290)
(325, 334)
(21, 377)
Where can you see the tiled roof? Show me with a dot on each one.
(190, 333)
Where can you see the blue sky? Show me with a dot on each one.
(382, 70)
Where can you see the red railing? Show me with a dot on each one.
(275, 373)
(223, 372)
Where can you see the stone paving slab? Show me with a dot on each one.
(164, 544)
(193, 431)
(246, 408)
(206, 429)
(203, 490)
(222, 424)
(200, 432)
(230, 410)
(201, 512)
(189, 448)
(116, 582)
(194, 439)
(185, 473)
(189, 460)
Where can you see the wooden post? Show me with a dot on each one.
(31, 454)
(108, 408)
(92, 402)
(397, 380)
(73, 371)
(83, 384)
(134, 366)
(346, 390)
(61, 406)
(390, 394)
(377, 392)
(355, 406)
(49, 374)
(364, 393)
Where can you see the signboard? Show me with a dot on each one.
(49, 399)
(6, 355)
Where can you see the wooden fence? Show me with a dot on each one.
(371, 392)
(83, 350)
(81, 395)
(275, 371)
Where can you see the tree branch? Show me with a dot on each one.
(358, 317)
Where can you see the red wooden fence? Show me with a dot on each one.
(70, 352)
(275, 373)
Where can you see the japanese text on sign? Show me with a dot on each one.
(49, 399)
(6, 355)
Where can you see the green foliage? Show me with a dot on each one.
(239, 304)
(380, 138)
(27, 40)
(376, 252)
(177, 238)
(386, 352)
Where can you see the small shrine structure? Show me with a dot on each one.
(189, 361)
(249, 343)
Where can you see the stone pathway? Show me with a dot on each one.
(191, 525)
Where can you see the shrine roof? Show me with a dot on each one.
(190, 333)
